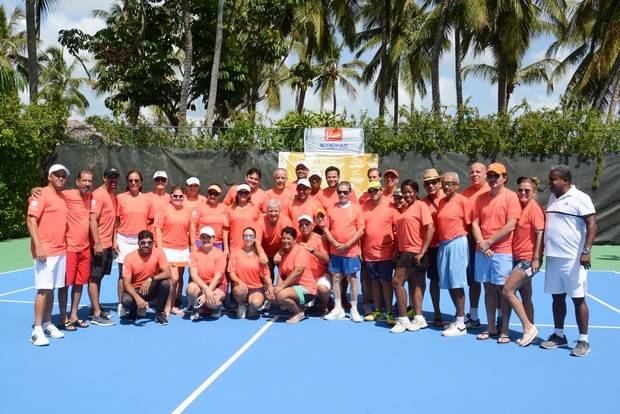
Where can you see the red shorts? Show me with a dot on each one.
(78, 268)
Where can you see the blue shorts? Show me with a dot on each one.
(344, 265)
(452, 260)
(381, 270)
(495, 269)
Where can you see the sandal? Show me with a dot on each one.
(503, 339)
(78, 323)
(68, 326)
(486, 335)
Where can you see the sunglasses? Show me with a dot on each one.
(373, 191)
(249, 236)
(429, 183)
(160, 180)
(492, 176)
(134, 181)
(449, 183)
(177, 196)
(60, 175)
(342, 192)
(145, 242)
(213, 193)
(243, 193)
(304, 224)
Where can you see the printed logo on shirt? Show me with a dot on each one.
(34, 203)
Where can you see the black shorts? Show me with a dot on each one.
(407, 260)
(101, 265)
(432, 272)
(472, 260)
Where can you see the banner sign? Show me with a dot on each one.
(334, 140)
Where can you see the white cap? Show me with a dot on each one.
(161, 174)
(304, 181)
(245, 187)
(192, 180)
(304, 217)
(58, 167)
(314, 172)
(207, 230)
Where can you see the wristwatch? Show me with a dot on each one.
(586, 251)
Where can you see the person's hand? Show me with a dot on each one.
(484, 245)
(142, 304)
(535, 265)
(40, 254)
(585, 260)
(98, 249)
(210, 297)
(277, 258)
(115, 247)
(342, 247)
(243, 288)
(269, 293)
(226, 252)
(418, 258)
(146, 285)
(263, 259)
(489, 253)
(36, 191)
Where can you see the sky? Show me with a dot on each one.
(477, 92)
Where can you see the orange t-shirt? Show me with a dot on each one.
(492, 214)
(344, 222)
(453, 218)
(141, 268)
(133, 213)
(271, 236)
(214, 217)
(298, 209)
(258, 197)
(158, 202)
(298, 257)
(78, 219)
(51, 212)
(532, 219)
(247, 268)
(240, 218)
(317, 243)
(411, 227)
(174, 224)
(104, 205)
(432, 207)
(328, 197)
(193, 204)
(380, 222)
(208, 264)
(285, 197)
(472, 194)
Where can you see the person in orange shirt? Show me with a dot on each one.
(146, 277)
(527, 247)
(329, 196)
(432, 184)
(193, 198)
(319, 258)
(344, 230)
(495, 216)
(373, 174)
(241, 214)
(208, 285)
(173, 226)
(452, 225)
(102, 230)
(133, 211)
(258, 197)
(47, 224)
(397, 201)
(269, 231)
(296, 284)
(281, 192)
(379, 248)
(315, 180)
(249, 277)
(390, 184)
(414, 230)
(477, 186)
(303, 204)
(159, 196)
(301, 171)
(213, 214)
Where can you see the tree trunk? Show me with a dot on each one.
(334, 98)
(395, 77)
(611, 79)
(613, 104)
(502, 87)
(435, 54)
(383, 80)
(31, 41)
(187, 67)
(458, 72)
(301, 95)
(215, 69)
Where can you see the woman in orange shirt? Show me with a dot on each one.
(241, 214)
(213, 214)
(414, 231)
(527, 249)
(133, 209)
(249, 277)
(172, 229)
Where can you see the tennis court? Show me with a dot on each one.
(267, 365)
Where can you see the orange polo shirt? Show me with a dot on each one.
(51, 212)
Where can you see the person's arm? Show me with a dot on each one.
(499, 235)
(114, 241)
(225, 241)
(430, 230)
(292, 278)
(586, 255)
(93, 224)
(191, 236)
(538, 251)
(262, 256)
(358, 235)
(158, 237)
(318, 253)
(33, 228)
(130, 290)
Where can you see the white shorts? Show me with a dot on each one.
(325, 280)
(50, 274)
(565, 276)
(177, 257)
(126, 244)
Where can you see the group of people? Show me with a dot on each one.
(300, 247)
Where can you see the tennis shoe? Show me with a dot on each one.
(454, 330)
(417, 324)
(581, 349)
(355, 316)
(38, 338)
(554, 341)
(336, 313)
(402, 324)
(53, 332)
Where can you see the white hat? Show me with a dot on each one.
(304, 217)
(161, 174)
(304, 181)
(208, 231)
(313, 173)
(58, 167)
(192, 180)
(244, 187)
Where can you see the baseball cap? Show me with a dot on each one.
(304, 182)
(215, 187)
(192, 180)
(304, 217)
(497, 168)
(430, 174)
(374, 185)
(319, 211)
(111, 171)
(58, 167)
(161, 174)
(314, 173)
(301, 165)
(392, 171)
(243, 187)
(208, 231)
(397, 193)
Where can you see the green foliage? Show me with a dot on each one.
(28, 136)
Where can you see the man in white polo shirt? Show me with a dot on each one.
(569, 234)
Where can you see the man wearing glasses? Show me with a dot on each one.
(146, 275)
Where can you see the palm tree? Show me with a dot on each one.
(332, 72)
(35, 10)
(58, 82)
(215, 69)
(187, 65)
(441, 11)
(13, 65)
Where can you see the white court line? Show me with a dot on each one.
(541, 325)
(16, 270)
(602, 302)
(192, 397)
(16, 291)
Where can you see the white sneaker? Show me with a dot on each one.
(53, 332)
(402, 324)
(241, 310)
(454, 330)
(336, 313)
(120, 311)
(417, 324)
(38, 338)
(355, 316)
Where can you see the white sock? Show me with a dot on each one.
(473, 314)
(559, 332)
(337, 303)
(38, 329)
(460, 321)
(45, 325)
(583, 337)
(418, 317)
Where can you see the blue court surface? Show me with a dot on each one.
(316, 366)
